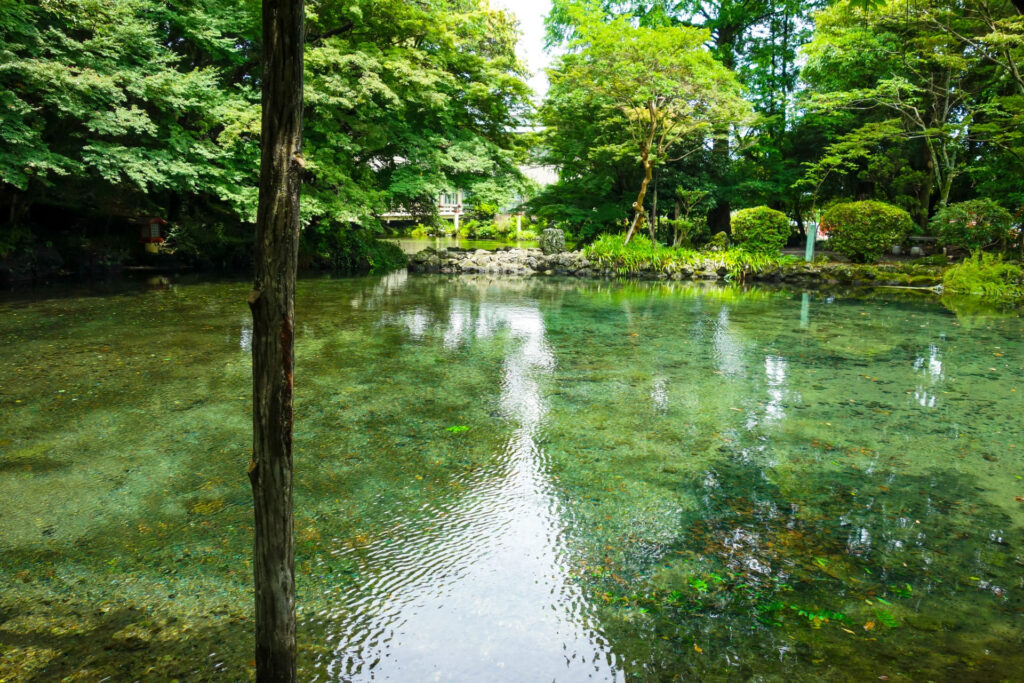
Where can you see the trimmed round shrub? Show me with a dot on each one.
(863, 231)
(760, 229)
(973, 225)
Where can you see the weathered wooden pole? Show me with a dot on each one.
(272, 302)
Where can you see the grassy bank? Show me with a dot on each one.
(641, 255)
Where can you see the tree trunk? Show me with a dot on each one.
(924, 190)
(725, 48)
(645, 157)
(719, 219)
(272, 302)
(639, 205)
(653, 223)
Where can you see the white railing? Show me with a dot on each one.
(444, 209)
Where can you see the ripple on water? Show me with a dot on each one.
(476, 582)
(654, 481)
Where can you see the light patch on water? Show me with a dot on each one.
(477, 581)
(929, 367)
(659, 394)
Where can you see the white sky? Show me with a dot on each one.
(531, 15)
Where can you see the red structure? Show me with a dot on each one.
(151, 230)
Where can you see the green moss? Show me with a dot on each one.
(931, 260)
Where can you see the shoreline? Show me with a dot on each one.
(533, 262)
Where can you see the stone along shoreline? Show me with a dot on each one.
(525, 262)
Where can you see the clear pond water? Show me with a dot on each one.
(520, 480)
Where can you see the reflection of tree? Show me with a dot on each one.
(716, 507)
(767, 566)
(473, 576)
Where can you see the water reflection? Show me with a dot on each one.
(476, 581)
(775, 368)
(728, 348)
(929, 369)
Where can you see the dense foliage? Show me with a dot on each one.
(760, 229)
(115, 110)
(915, 104)
(641, 254)
(658, 94)
(864, 231)
(663, 118)
(974, 224)
(986, 275)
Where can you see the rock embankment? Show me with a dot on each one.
(508, 261)
(512, 261)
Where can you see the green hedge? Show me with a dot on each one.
(760, 229)
(863, 231)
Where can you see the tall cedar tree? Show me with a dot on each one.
(273, 347)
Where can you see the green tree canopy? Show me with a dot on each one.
(655, 95)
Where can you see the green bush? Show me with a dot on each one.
(348, 250)
(718, 242)
(505, 228)
(760, 229)
(608, 251)
(13, 238)
(483, 211)
(863, 231)
(421, 231)
(214, 243)
(683, 232)
(986, 275)
(973, 225)
(486, 231)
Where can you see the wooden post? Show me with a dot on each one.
(272, 302)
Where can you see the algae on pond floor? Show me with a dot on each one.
(520, 480)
